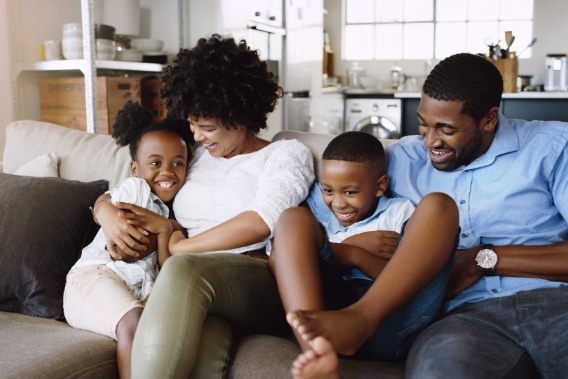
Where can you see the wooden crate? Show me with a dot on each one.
(151, 98)
(62, 100)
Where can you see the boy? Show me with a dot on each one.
(346, 275)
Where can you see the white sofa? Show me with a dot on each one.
(34, 347)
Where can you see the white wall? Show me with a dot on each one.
(5, 83)
(550, 28)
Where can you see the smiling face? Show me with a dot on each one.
(161, 160)
(452, 138)
(351, 190)
(220, 141)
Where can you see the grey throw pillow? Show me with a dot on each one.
(44, 224)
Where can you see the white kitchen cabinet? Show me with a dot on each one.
(33, 21)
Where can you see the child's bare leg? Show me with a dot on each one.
(298, 238)
(424, 250)
(125, 335)
(320, 362)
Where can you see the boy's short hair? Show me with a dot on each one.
(355, 146)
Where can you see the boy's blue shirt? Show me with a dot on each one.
(390, 214)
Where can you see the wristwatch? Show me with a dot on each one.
(487, 259)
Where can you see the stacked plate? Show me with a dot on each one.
(129, 55)
(151, 50)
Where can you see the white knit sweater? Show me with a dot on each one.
(267, 181)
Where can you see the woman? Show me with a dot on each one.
(236, 188)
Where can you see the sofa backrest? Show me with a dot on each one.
(82, 156)
(87, 157)
(315, 142)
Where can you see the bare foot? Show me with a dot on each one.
(320, 362)
(345, 329)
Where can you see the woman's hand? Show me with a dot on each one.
(144, 219)
(124, 241)
(381, 243)
(174, 244)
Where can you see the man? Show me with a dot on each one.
(507, 305)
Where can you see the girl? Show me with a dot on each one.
(104, 295)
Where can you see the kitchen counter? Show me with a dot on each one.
(387, 92)
(513, 95)
(546, 106)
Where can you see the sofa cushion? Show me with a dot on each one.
(44, 223)
(38, 348)
(83, 156)
(263, 356)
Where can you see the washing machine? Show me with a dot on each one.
(381, 117)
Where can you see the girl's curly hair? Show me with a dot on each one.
(133, 121)
(221, 79)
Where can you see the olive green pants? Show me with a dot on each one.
(185, 329)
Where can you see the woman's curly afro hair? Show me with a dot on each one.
(220, 78)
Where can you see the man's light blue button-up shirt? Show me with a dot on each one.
(514, 194)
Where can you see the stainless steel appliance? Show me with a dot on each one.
(378, 116)
(287, 33)
(556, 71)
(327, 112)
(302, 61)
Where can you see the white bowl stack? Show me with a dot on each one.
(72, 41)
(129, 55)
(104, 42)
(52, 50)
(106, 49)
(147, 44)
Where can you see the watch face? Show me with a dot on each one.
(486, 258)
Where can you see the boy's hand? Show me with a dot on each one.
(464, 272)
(381, 243)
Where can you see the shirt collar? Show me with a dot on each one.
(334, 226)
(505, 141)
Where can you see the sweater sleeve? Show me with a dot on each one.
(285, 182)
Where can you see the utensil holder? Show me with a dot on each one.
(509, 69)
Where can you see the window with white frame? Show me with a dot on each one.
(426, 29)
